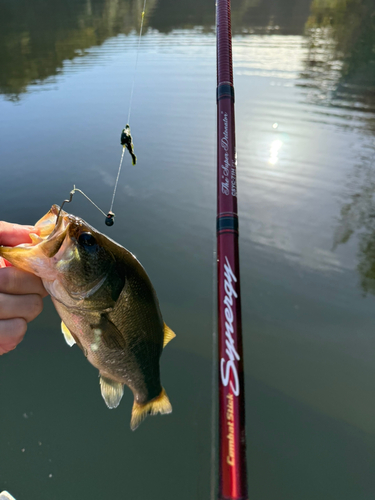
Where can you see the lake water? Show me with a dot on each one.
(305, 120)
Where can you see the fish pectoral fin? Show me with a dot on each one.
(168, 335)
(111, 335)
(67, 335)
(111, 391)
(160, 404)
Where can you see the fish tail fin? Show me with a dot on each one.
(160, 404)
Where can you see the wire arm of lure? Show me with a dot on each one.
(109, 217)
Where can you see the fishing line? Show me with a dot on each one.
(126, 139)
(136, 60)
(117, 178)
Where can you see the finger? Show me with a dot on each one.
(2, 262)
(18, 282)
(14, 234)
(20, 306)
(12, 332)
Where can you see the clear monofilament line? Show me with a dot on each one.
(136, 61)
(130, 104)
(110, 215)
(118, 176)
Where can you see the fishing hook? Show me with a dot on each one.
(66, 201)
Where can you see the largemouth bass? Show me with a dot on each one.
(107, 304)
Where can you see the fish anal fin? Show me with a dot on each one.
(160, 404)
(168, 335)
(111, 391)
(5, 495)
(67, 335)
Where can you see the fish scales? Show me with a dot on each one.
(136, 339)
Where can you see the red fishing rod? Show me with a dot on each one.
(232, 438)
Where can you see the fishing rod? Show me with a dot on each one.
(231, 401)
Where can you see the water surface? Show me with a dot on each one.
(305, 99)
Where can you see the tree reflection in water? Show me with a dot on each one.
(36, 37)
(358, 217)
(340, 65)
(340, 72)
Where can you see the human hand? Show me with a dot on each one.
(21, 293)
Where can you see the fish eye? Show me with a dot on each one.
(86, 240)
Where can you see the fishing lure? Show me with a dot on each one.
(127, 142)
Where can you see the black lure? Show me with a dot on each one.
(127, 142)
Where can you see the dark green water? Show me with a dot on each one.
(305, 104)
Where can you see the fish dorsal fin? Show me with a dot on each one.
(160, 404)
(67, 335)
(111, 391)
(168, 335)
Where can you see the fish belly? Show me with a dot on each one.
(119, 364)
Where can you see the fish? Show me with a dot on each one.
(107, 305)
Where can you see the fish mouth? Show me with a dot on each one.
(52, 230)
(54, 227)
(54, 246)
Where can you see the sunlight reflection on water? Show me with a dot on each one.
(305, 149)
